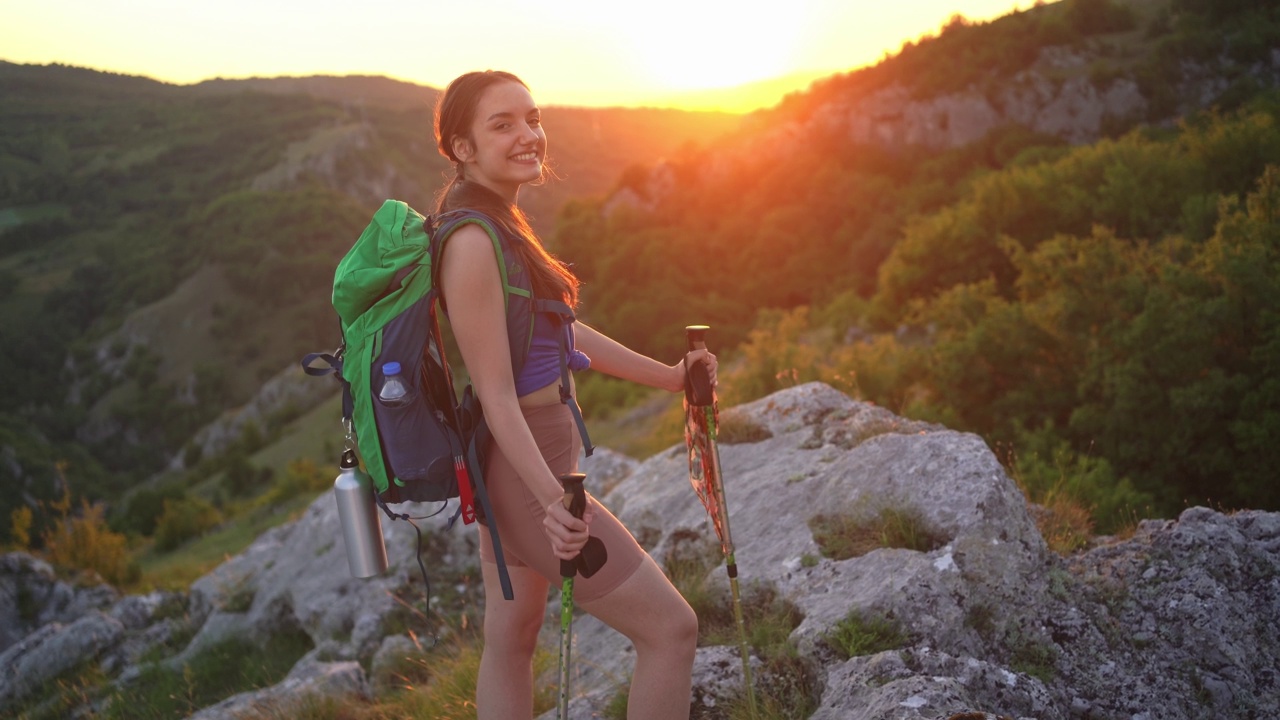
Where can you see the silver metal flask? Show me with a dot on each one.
(358, 513)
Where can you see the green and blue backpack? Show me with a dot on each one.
(433, 447)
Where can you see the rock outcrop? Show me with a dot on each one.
(287, 390)
(1057, 95)
(1177, 621)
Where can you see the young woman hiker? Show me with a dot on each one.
(489, 127)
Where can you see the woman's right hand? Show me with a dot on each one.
(567, 533)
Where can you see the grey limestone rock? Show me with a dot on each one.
(1176, 622)
(309, 679)
(53, 649)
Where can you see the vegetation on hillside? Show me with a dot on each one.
(164, 250)
(1105, 315)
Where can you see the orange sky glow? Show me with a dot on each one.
(712, 54)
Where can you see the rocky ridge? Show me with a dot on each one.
(1054, 96)
(1177, 621)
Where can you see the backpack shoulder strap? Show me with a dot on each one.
(517, 286)
(447, 224)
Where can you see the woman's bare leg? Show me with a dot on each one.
(504, 687)
(664, 629)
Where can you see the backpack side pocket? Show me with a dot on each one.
(417, 442)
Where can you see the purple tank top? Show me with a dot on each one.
(542, 366)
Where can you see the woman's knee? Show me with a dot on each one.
(676, 631)
(512, 632)
(684, 627)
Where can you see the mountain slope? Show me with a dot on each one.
(1033, 229)
(117, 192)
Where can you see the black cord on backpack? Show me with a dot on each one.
(426, 582)
(435, 639)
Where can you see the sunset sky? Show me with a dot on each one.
(571, 52)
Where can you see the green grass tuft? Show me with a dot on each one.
(859, 634)
(617, 707)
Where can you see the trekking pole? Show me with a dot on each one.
(701, 431)
(575, 500)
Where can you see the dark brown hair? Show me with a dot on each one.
(455, 113)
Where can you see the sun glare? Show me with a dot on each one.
(693, 45)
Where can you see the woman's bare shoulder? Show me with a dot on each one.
(468, 241)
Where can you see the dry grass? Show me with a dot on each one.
(854, 533)
(437, 683)
(1065, 523)
(736, 427)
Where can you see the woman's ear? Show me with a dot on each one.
(462, 149)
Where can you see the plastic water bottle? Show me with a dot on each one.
(393, 393)
(358, 513)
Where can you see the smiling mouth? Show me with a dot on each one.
(525, 157)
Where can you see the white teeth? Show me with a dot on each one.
(525, 156)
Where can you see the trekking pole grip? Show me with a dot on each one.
(697, 386)
(575, 501)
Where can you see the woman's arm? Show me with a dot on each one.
(470, 281)
(613, 358)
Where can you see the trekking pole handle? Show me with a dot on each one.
(697, 386)
(575, 501)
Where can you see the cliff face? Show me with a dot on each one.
(1058, 95)
(1178, 621)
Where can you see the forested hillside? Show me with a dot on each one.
(1105, 312)
(166, 249)
(1056, 229)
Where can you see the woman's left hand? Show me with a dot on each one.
(701, 355)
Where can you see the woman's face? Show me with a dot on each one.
(508, 143)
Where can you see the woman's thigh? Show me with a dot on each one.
(517, 620)
(519, 515)
(646, 608)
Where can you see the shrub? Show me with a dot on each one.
(781, 351)
(1078, 489)
(184, 519)
(143, 508)
(240, 477)
(20, 527)
(84, 542)
(301, 477)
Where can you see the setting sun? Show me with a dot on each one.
(690, 46)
